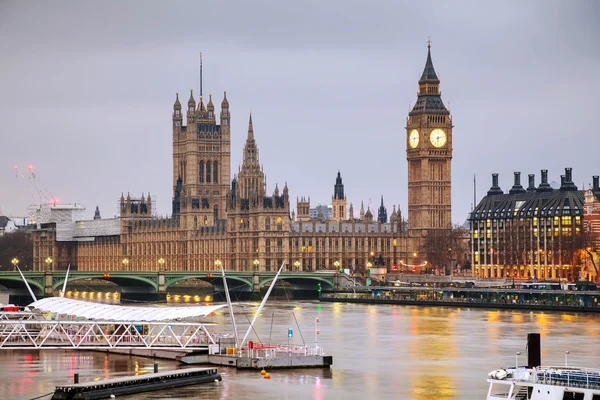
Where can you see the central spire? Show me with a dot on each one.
(250, 129)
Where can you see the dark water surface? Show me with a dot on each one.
(379, 352)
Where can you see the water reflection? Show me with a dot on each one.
(379, 352)
(107, 297)
(188, 299)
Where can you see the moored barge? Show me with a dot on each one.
(104, 389)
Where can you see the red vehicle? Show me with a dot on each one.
(11, 308)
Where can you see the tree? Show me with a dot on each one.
(441, 247)
(16, 244)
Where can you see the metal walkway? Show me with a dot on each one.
(29, 331)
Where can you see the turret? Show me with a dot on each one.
(97, 213)
(338, 189)
(362, 211)
(338, 200)
(351, 212)
(382, 213)
(394, 216)
(177, 118)
(369, 215)
(225, 116)
(286, 195)
(210, 107)
(191, 109)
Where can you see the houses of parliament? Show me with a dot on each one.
(247, 226)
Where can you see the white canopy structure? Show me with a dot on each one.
(104, 312)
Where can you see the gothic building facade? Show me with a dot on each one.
(237, 221)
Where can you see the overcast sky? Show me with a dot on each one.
(87, 90)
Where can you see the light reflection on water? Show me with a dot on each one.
(380, 351)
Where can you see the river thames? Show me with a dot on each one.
(379, 352)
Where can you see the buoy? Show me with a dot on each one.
(263, 372)
(112, 396)
(267, 376)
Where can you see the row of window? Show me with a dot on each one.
(205, 174)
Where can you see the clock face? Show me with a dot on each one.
(413, 139)
(438, 137)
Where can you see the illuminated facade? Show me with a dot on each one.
(531, 232)
(238, 222)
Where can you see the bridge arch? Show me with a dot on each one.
(212, 280)
(16, 282)
(298, 280)
(119, 280)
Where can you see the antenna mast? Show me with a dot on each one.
(474, 192)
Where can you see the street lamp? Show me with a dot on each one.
(297, 265)
(336, 264)
(125, 262)
(15, 263)
(218, 264)
(161, 262)
(517, 359)
(514, 274)
(256, 262)
(566, 358)
(49, 262)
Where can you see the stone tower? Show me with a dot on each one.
(303, 209)
(338, 201)
(429, 155)
(201, 159)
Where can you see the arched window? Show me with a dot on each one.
(201, 171)
(196, 222)
(216, 212)
(215, 172)
(208, 171)
(268, 223)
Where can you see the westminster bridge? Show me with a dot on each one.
(156, 283)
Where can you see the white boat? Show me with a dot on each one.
(544, 383)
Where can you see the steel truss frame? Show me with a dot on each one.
(93, 335)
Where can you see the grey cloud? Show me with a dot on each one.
(88, 88)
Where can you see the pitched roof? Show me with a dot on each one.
(429, 75)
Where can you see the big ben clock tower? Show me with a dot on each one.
(429, 155)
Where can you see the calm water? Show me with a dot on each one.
(380, 352)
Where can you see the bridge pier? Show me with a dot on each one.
(48, 284)
(161, 283)
(255, 282)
